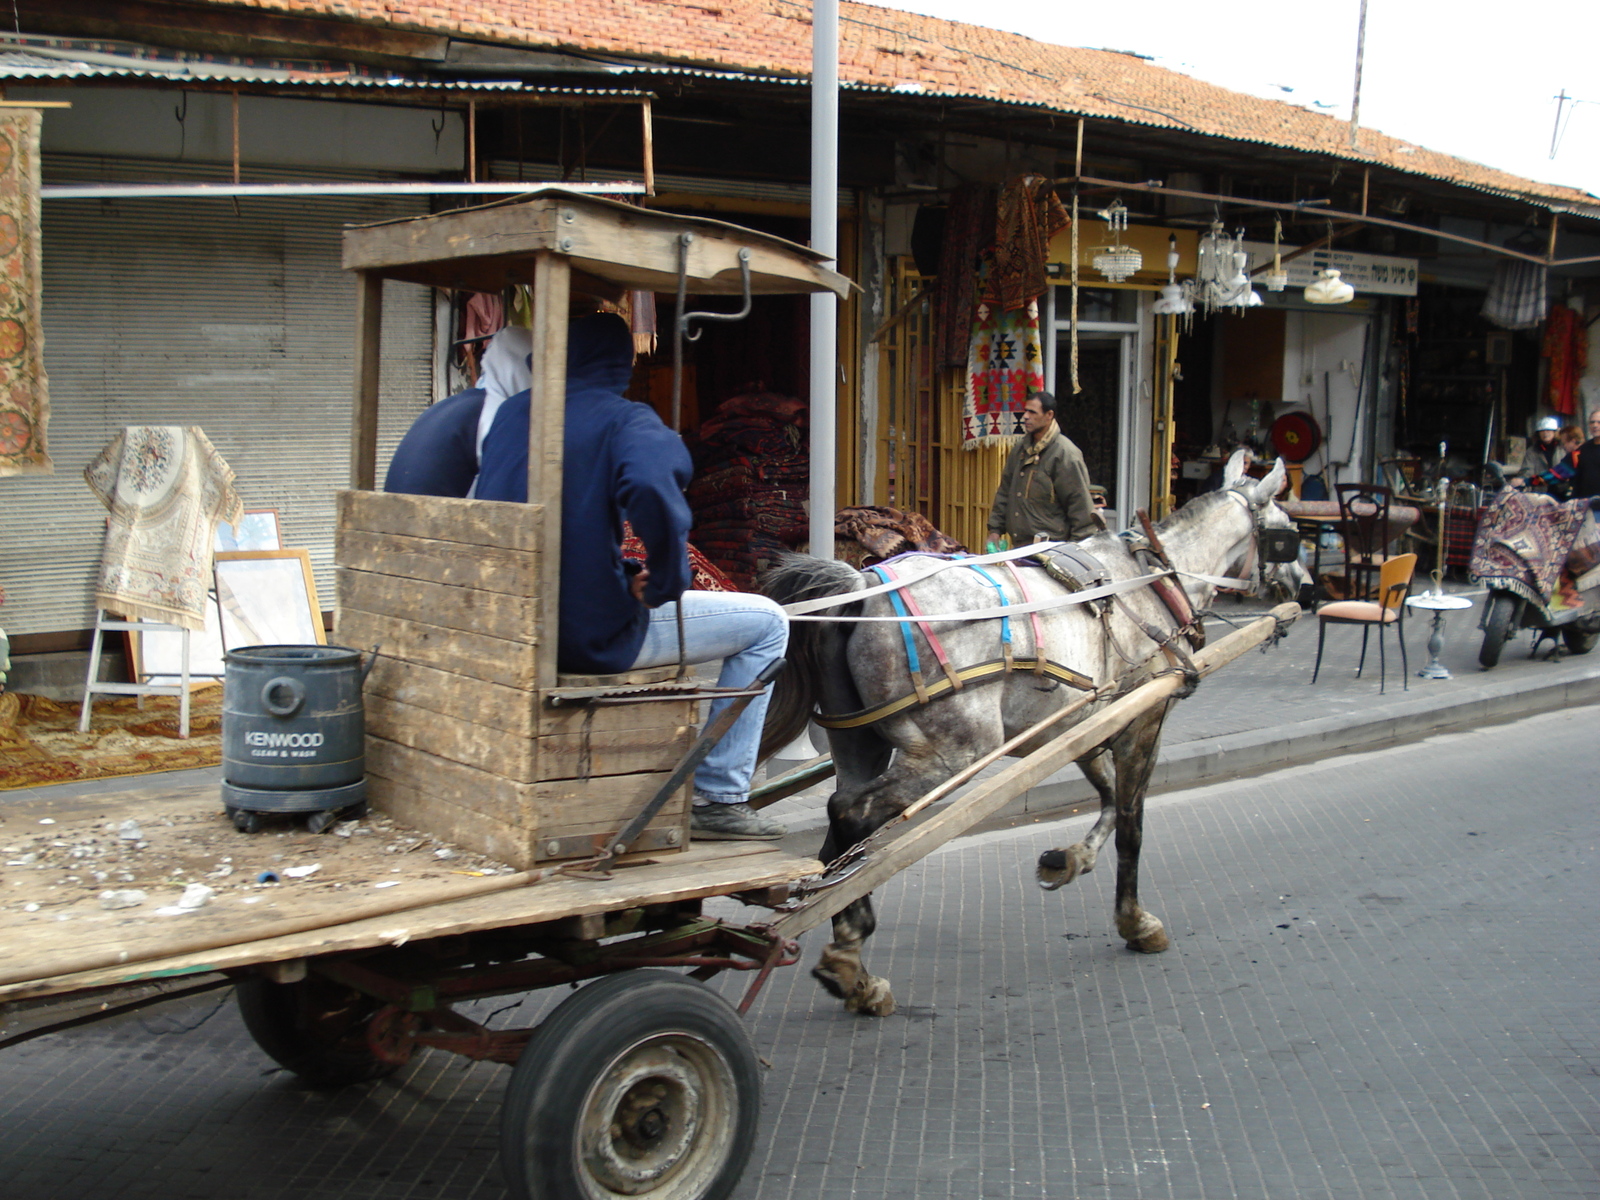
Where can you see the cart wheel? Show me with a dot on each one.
(244, 820)
(315, 1028)
(641, 1084)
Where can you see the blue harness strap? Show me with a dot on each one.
(1005, 622)
(912, 659)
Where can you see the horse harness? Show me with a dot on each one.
(1076, 570)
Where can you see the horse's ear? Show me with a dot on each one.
(1263, 491)
(1234, 471)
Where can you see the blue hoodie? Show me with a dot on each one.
(620, 463)
(439, 454)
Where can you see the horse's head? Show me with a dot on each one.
(1260, 495)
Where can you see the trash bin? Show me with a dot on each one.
(293, 733)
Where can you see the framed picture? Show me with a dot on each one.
(268, 598)
(157, 654)
(256, 530)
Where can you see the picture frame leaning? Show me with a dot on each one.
(268, 598)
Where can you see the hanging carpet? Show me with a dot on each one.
(1005, 364)
(24, 388)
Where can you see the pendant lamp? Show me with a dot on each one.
(1116, 261)
(1174, 300)
(1276, 279)
(1329, 289)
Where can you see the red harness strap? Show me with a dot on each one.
(1038, 629)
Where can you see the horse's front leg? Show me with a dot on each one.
(840, 970)
(1134, 750)
(1062, 866)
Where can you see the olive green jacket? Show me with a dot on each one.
(1044, 495)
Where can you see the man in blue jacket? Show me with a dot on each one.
(621, 463)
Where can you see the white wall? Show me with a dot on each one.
(1322, 367)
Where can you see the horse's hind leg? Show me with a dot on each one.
(1134, 750)
(1058, 867)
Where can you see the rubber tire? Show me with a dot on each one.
(1579, 640)
(572, 1058)
(315, 1028)
(244, 820)
(1497, 628)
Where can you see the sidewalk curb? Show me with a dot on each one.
(1410, 716)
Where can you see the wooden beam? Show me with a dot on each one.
(552, 286)
(364, 412)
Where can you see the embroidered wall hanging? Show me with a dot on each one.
(24, 390)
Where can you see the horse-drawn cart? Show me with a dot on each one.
(642, 1083)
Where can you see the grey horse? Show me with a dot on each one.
(1018, 670)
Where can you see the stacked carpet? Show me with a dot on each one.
(752, 470)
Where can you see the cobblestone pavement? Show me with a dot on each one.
(1383, 983)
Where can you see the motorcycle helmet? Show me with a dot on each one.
(1550, 423)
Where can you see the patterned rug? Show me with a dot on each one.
(1005, 364)
(40, 743)
(166, 487)
(24, 390)
(1523, 541)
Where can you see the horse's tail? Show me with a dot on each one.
(816, 648)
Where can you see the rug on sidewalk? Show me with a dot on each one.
(40, 743)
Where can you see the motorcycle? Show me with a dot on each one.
(1540, 560)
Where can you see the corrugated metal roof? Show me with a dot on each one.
(891, 50)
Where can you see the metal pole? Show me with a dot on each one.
(825, 240)
(1355, 99)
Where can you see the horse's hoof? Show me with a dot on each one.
(1145, 934)
(1059, 867)
(830, 983)
(872, 998)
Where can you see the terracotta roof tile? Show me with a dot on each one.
(884, 47)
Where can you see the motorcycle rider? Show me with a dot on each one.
(1545, 451)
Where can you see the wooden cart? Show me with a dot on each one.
(644, 1082)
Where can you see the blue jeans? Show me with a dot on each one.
(747, 632)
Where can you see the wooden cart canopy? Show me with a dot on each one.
(612, 248)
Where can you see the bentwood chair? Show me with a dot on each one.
(1364, 524)
(1394, 581)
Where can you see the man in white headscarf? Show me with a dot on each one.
(440, 453)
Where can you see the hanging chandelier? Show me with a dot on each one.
(1175, 301)
(1116, 261)
(1221, 280)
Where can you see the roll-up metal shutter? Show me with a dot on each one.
(234, 317)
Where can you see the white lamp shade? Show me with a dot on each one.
(1116, 263)
(1275, 281)
(1173, 302)
(1330, 289)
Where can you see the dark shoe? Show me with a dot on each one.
(732, 823)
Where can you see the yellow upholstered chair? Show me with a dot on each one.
(1389, 609)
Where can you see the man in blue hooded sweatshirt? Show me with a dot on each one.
(621, 463)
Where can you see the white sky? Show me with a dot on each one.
(1471, 78)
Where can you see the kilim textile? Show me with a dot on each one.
(166, 487)
(1523, 540)
(879, 532)
(968, 232)
(703, 573)
(1004, 365)
(40, 743)
(24, 389)
(1029, 214)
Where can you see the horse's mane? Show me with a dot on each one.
(1192, 513)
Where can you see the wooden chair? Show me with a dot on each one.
(1394, 582)
(1364, 524)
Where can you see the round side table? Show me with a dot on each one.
(1438, 604)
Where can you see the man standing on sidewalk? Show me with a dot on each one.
(1044, 489)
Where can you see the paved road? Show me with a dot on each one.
(1384, 983)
